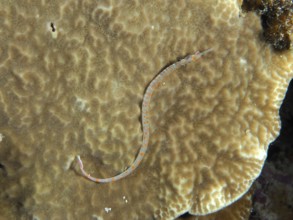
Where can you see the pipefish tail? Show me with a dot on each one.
(145, 117)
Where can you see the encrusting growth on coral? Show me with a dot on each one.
(145, 118)
(277, 21)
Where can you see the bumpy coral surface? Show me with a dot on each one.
(241, 209)
(72, 78)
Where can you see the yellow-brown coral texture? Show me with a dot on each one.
(72, 79)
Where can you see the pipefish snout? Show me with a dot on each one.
(145, 117)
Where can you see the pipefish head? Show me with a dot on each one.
(199, 54)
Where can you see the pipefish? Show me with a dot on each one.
(145, 119)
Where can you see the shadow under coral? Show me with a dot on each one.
(273, 197)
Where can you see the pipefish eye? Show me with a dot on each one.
(188, 58)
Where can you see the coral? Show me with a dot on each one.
(241, 209)
(72, 78)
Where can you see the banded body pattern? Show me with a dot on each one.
(145, 119)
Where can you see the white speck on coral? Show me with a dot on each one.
(106, 8)
(81, 104)
(1, 137)
(243, 62)
(125, 200)
(95, 217)
(35, 218)
(108, 209)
